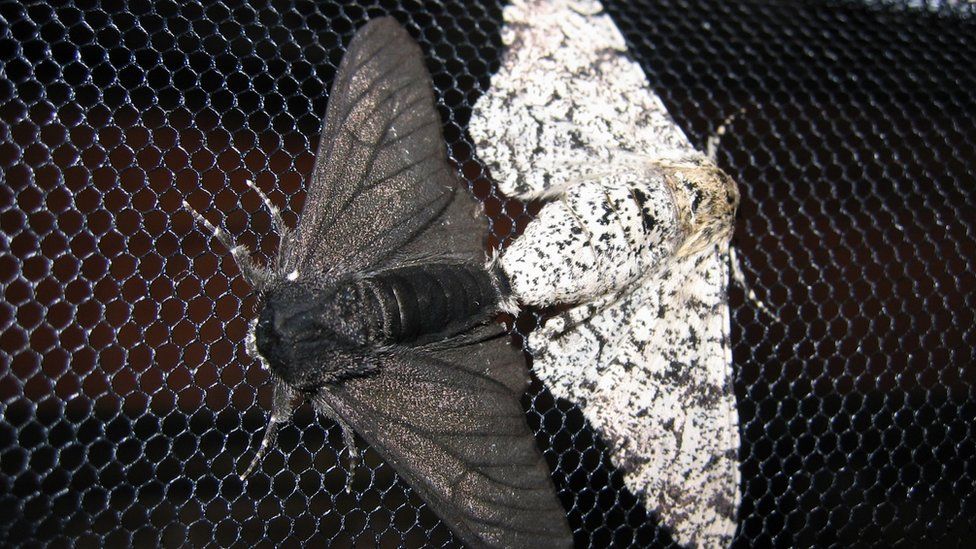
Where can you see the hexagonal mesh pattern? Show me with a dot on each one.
(128, 401)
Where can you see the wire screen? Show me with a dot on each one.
(129, 404)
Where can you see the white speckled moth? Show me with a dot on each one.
(636, 236)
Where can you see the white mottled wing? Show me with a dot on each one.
(651, 371)
(638, 239)
(566, 101)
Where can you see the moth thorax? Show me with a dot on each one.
(706, 199)
(299, 327)
(425, 303)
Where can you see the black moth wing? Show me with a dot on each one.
(381, 172)
(450, 422)
(382, 194)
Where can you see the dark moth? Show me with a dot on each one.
(378, 307)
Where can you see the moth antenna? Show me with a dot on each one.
(253, 273)
(579, 222)
(281, 409)
(714, 140)
(619, 154)
(277, 221)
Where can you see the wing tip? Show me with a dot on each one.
(385, 24)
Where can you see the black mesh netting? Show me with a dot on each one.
(128, 400)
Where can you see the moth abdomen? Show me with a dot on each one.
(423, 303)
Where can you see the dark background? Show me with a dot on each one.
(129, 403)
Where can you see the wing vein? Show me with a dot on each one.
(385, 232)
(325, 224)
(360, 404)
(350, 105)
(364, 188)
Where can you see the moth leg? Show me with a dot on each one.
(281, 410)
(348, 437)
(583, 226)
(740, 279)
(254, 274)
(613, 207)
(579, 221)
(592, 309)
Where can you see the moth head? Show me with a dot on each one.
(305, 336)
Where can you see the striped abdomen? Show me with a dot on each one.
(429, 302)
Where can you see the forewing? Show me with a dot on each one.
(381, 173)
(451, 424)
(457, 234)
(564, 97)
(597, 240)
